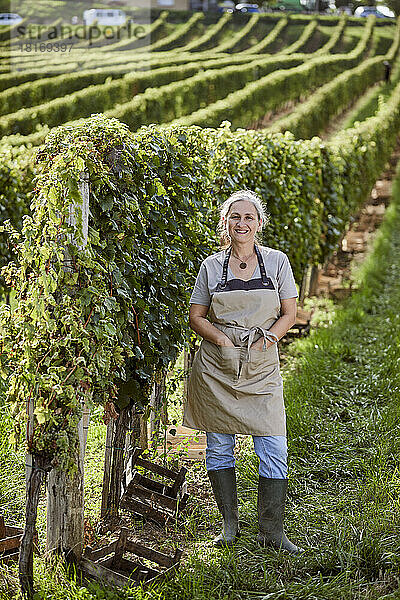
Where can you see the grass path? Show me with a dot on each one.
(342, 389)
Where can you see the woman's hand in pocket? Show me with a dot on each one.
(225, 341)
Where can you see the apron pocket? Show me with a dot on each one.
(263, 365)
(229, 361)
(208, 356)
(266, 357)
(222, 362)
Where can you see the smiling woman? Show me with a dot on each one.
(248, 293)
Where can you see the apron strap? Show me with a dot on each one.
(261, 265)
(224, 277)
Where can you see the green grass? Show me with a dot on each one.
(342, 395)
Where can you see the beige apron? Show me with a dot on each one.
(238, 389)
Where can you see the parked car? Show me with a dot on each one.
(113, 16)
(294, 5)
(227, 6)
(10, 19)
(385, 10)
(366, 11)
(247, 8)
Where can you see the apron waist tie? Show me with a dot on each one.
(249, 334)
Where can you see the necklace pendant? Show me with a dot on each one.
(243, 265)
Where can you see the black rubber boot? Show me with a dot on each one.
(271, 509)
(223, 483)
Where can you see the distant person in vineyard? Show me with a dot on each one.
(388, 70)
(248, 293)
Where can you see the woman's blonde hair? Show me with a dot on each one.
(226, 206)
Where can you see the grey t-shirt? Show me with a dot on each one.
(277, 267)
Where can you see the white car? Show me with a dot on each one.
(366, 11)
(10, 19)
(385, 10)
(108, 16)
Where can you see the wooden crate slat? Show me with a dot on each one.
(183, 501)
(154, 497)
(137, 460)
(158, 557)
(191, 453)
(105, 562)
(178, 439)
(148, 483)
(144, 574)
(130, 469)
(177, 556)
(144, 509)
(9, 543)
(148, 497)
(13, 530)
(103, 573)
(135, 455)
(178, 482)
(185, 435)
(2, 527)
(101, 552)
(134, 569)
(155, 468)
(138, 571)
(9, 557)
(10, 536)
(165, 575)
(120, 546)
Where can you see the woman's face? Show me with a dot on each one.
(242, 221)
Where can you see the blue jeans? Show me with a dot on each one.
(270, 449)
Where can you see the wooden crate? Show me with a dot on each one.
(109, 566)
(148, 497)
(185, 442)
(10, 540)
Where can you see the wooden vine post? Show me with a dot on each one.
(34, 475)
(304, 285)
(313, 281)
(158, 407)
(65, 499)
(124, 432)
(116, 451)
(38, 468)
(65, 521)
(30, 407)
